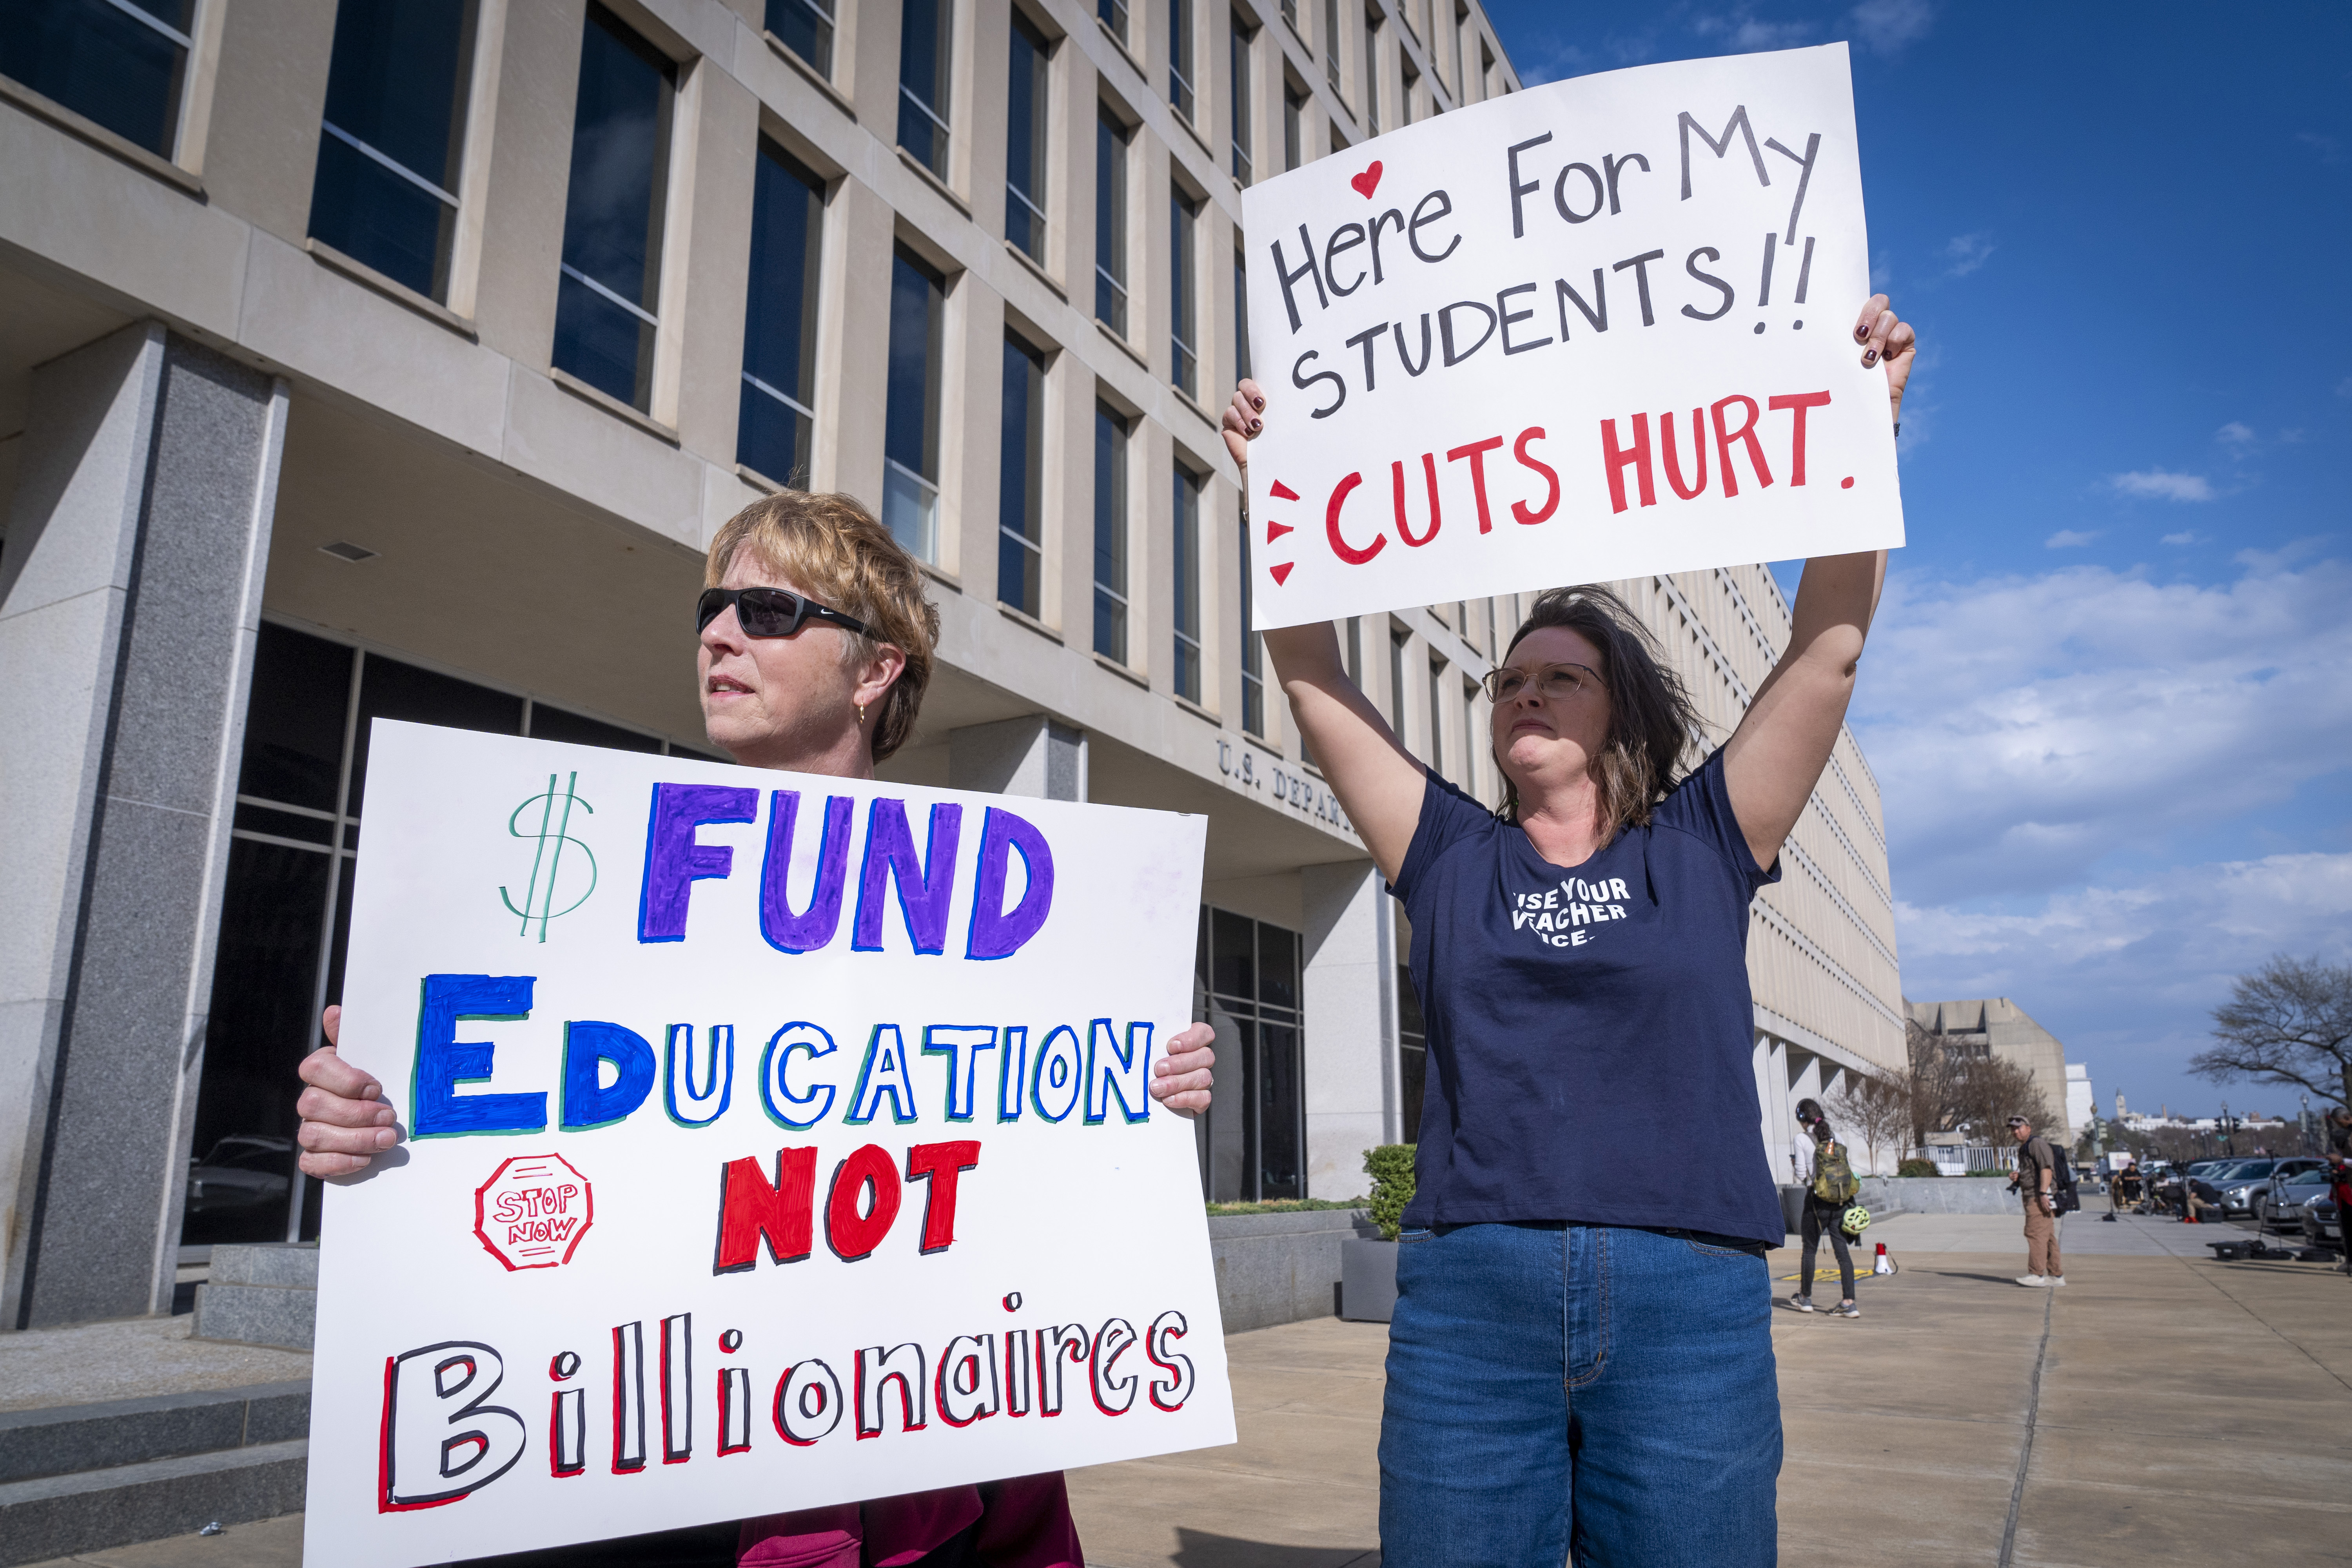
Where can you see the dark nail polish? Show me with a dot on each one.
(1869, 357)
(1256, 425)
(1258, 402)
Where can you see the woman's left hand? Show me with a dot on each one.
(1180, 1079)
(1887, 339)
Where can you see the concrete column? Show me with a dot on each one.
(1772, 1103)
(1350, 1069)
(1030, 755)
(129, 601)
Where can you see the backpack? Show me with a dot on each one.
(1835, 1183)
(2065, 1198)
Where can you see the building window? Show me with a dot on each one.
(1110, 534)
(1240, 56)
(1240, 318)
(393, 136)
(1411, 79)
(122, 64)
(1294, 118)
(1256, 1136)
(1371, 76)
(286, 906)
(1180, 57)
(1470, 748)
(1290, 13)
(611, 286)
(1331, 43)
(1253, 666)
(1027, 95)
(1111, 221)
(1436, 715)
(911, 437)
(1397, 638)
(1356, 651)
(777, 422)
(1185, 591)
(1183, 290)
(1114, 17)
(1021, 481)
(805, 27)
(926, 46)
(1412, 1055)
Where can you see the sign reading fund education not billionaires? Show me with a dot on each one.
(1588, 331)
(773, 1141)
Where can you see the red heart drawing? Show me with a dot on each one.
(1368, 181)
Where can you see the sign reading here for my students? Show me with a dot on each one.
(1589, 331)
(773, 1141)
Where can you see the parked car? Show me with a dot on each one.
(2279, 1205)
(2242, 1184)
(2168, 1190)
(243, 1171)
(2321, 1224)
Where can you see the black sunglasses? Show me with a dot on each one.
(768, 612)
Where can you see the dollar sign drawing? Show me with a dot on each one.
(547, 860)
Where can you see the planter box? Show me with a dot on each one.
(1280, 1267)
(1368, 1287)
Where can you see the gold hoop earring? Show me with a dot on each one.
(861, 715)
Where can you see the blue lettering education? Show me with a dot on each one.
(1055, 1079)
(435, 1108)
(775, 1077)
(1117, 1070)
(673, 861)
(690, 1105)
(588, 1102)
(961, 1045)
(885, 1070)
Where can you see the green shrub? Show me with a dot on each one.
(1390, 1168)
(2001, 1174)
(1915, 1167)
(1286, 1205)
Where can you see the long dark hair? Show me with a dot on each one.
(1651, 716)
(1808, 1112)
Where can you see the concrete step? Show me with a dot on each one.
(66, 1439)
(56, 1515)
(263, 1294)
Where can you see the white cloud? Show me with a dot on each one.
(2026, 728)
(1965, 253)
(2234, 436)
(2157, 484)
(1889, 26)
(2128, 973)
(1744, 32)
(2179, 539)
(2068, 539)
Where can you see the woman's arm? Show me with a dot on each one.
(1776, 756)
(1378, 781)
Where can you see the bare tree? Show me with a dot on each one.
(1989, 1090)
(1931, 1079)
(1877, 1107)
(2290, 1022)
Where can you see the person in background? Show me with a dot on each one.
(1833, 1187)
(815, 647)
(2037, 1175)
(2339, 1176)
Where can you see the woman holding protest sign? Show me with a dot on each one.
(1580, 1364)
(815, 643)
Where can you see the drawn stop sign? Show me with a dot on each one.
(533, 1211)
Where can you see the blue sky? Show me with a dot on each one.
(2109, 695)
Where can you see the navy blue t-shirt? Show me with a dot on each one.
(1590, 1034)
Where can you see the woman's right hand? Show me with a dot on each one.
(1242, 422)
(346, 1120)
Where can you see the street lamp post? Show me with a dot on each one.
(2303, 1123)
(2227, 1147)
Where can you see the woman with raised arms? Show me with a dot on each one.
(1581, 1364)
(816, 649)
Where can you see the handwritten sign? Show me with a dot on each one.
(1589, 331)
(772, 1141)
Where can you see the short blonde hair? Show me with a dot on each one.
(834, 550)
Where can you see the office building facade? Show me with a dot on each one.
(399, 360)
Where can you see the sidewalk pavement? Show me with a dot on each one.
(2164, 1408)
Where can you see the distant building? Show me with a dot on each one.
(1999, 1027)
(2082, 1104)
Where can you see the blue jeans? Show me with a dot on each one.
(1585, 1393)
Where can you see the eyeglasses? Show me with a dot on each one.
(768, 612)
(1555, 682)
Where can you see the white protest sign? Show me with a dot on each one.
(1589, 331)
(773, 1140)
